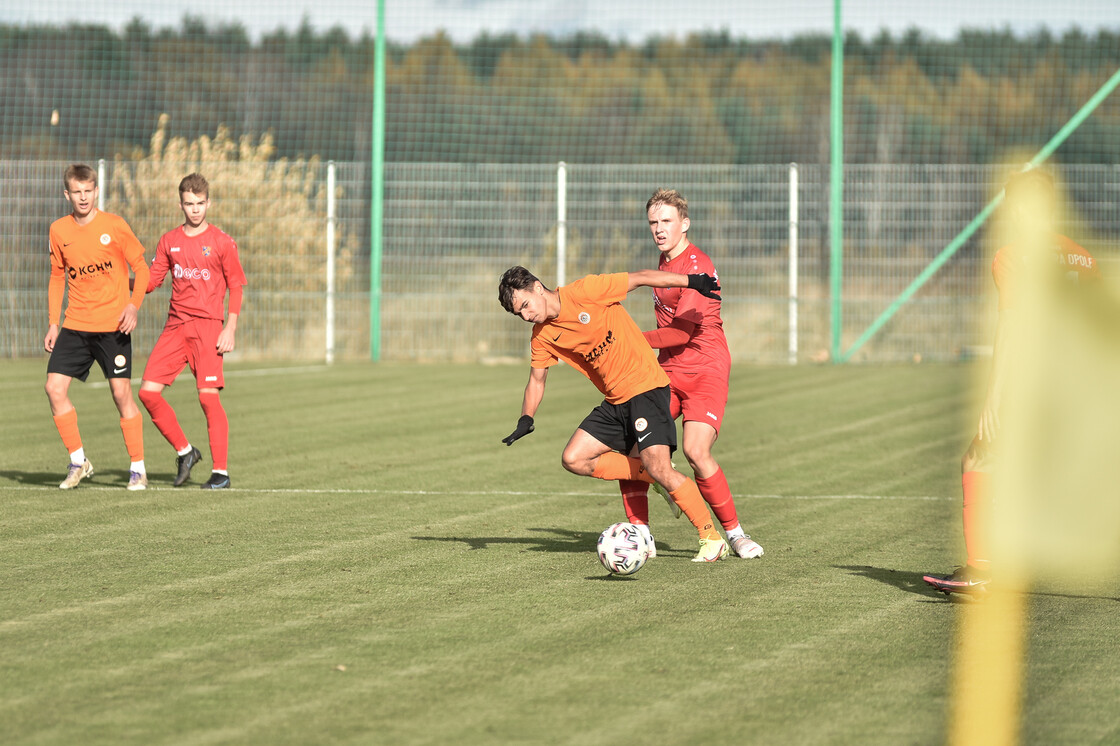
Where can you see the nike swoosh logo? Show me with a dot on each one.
(557, 336)
(643, 437)
(120, 370)
(67, 244)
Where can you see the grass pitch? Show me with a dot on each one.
(386, 571)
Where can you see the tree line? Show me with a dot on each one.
(706, 98)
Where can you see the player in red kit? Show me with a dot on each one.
(694, 354)
(203, 263)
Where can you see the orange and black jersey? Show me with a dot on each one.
(92, 261)
(595, 335)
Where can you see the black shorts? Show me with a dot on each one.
(641, 421)
(75, 352)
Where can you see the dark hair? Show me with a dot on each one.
(196, 184)
(514, 278)
(79, 172)
(1034, 180)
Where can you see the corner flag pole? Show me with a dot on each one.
(377, 185)
(1047, 150)
(836, 184)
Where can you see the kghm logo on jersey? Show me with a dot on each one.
(191, 273)
(600, 348)
(90, 269)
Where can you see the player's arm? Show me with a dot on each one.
(674, 334)
(229, 332)
(55, 290)
(706, 285)
(534, 393)
(1006, 328)
(160, 264)
(134, 255)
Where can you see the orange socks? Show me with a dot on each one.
(977, 514)
(67, 424)
(614, 466)
(688, 499)
(133, 431)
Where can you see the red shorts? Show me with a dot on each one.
(700, 397)
(183, 343)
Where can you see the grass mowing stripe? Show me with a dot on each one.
(377, 542)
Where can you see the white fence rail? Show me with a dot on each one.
(451, 229)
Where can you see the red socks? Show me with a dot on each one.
(635, 500)
(717, 494)
(217, 428)
(163, 417)
(977, 515)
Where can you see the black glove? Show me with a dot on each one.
(524, 427)
(706, 285)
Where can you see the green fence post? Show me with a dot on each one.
(836, 185)
(377, 185)
(1047, 150)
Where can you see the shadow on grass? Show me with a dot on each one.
(34, 477)
(100, 478)
(558, 540)
(910, 582)
(913, 583)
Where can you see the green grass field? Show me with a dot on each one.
(387, 572)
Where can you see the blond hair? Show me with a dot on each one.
(670, 198)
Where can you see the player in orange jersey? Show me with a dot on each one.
(1036, 255)
(204, 264)
(694, 354)
(585, 325)
(91, 252)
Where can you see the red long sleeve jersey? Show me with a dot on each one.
(707, 347)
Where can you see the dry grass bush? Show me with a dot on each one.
(275, 208)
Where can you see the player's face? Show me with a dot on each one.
(194, 207)
(82, 196)
(530, 304)
(1035, 214)
(667, 227)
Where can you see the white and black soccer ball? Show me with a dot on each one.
(623, 549)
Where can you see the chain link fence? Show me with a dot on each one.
(451, 229)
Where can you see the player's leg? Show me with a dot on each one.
(655, 434)
(587, 455)
(703, 398)
(208, 369)
(976, 515)
(70, 359)
(166, 362)
(113, 351)
(656, 459)
(699, 437)
(217, 428)
(635, 494)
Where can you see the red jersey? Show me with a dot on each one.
(596, 336)
(92, 262)
(1012, 264)
(202, 268)
(707, 348)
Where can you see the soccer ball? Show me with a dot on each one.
(623, 549)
